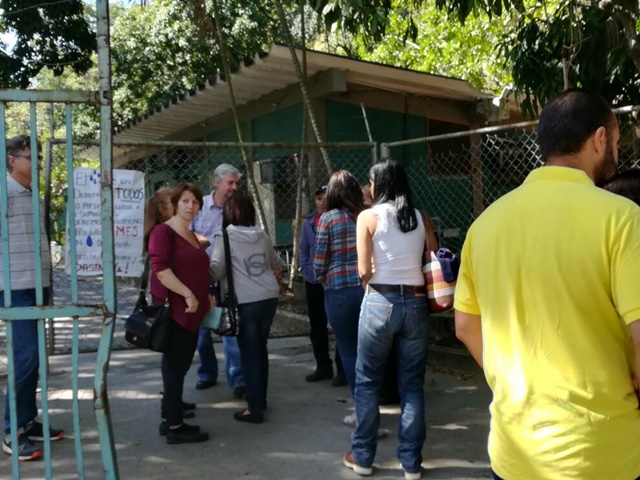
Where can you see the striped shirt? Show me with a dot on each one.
(208, 221)
(22, 240)
(336, 259)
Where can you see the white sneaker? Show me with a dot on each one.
(350, 420)
(413, 476)
(350, 462)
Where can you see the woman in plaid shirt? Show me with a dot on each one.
(336, 265)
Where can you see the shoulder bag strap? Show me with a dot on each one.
(426, 255)
(231, 291)
(173, 247)
(144, 279)
(144, 282)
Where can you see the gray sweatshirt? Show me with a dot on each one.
(254, 262)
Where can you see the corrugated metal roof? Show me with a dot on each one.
(274, 71)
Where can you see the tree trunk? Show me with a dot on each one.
(303, 84)
(300, 166)
(248, 162)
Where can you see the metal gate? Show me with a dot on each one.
(104, 311)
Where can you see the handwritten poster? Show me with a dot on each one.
(128, 228)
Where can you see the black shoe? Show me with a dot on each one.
(186, 408)
(184, 434)
(240, 392)
(319, 375)
(204, 384)
(164, 428)
(339, 381)
(34, 432)
(245, 416)
(26, 450)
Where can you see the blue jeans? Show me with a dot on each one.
(387, 319)
(255, 323)
(233, 363)
(25, 359)
(343, 309)
(208, 369)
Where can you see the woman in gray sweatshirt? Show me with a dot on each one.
(255, 268)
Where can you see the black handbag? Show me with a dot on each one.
(149, 326)
(229, 317)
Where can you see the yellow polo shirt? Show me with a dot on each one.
(553, 268)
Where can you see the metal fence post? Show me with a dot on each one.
(385, 151)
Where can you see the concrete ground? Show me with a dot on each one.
(303, 437)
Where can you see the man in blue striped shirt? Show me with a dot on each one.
(207, 223)
(23, 294)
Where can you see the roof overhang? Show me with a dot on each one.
(275, 71)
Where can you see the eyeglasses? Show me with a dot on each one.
(28, 157)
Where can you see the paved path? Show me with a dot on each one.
(303, 437)
(90, 292)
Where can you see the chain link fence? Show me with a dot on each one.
(454, 177)
(283, 174)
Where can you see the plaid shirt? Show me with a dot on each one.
(336, 259)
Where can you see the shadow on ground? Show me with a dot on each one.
(303, 437)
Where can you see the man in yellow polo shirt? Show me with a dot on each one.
(548, 303)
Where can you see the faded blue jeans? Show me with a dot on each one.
(387, 318)
(208, 369)
(25, 359)
(343, 310)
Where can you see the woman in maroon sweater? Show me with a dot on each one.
(180, 271)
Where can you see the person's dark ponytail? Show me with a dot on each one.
(405, 214)
(391, 184)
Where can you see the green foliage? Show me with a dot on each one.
(589, 42)
(442, 45)
(371, 19)
(47, 35)
(52, 120)
(592, 44)
(163, 49)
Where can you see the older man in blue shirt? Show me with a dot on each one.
(208, 222)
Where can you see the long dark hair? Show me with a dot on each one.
(152, 214)
(390, 184)
(344, 192)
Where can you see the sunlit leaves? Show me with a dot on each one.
(53, 35)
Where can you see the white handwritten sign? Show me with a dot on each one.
(128, 225)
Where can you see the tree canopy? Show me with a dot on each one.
(162, 48)
(552, 44)
(441, 46)
(52, 35)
